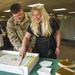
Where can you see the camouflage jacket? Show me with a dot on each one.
(16, 31)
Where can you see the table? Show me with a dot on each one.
(37, 66)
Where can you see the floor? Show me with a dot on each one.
(67, 51)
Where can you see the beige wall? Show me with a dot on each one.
(67, 27)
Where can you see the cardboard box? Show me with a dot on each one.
(65, 71)
(22, 69)
(66, 63)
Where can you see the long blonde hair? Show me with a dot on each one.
(46, 28)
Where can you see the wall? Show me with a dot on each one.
(67, 27)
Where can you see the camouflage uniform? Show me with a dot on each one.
(16, 31)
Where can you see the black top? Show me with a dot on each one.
(45, 46)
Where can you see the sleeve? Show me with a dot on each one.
(12, 35)
(54, 24)
(32, 41)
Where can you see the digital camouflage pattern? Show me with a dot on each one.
(16, 31)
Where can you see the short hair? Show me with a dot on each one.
(15, 8)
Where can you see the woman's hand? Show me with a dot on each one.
(22, 52)
(57, 50)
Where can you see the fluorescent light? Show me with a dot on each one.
(7, 10)
(59, 15)
(36, 4)
(71, 12)
(60, 9)
(3, 16)
(51, 13)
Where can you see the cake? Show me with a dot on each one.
(10, 61)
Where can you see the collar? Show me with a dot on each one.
(22, 22)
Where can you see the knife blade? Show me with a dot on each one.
(20, 61)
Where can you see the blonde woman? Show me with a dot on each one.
(47, 34)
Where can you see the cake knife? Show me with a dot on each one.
(20, 61)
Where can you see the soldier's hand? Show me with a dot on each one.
(22, 52)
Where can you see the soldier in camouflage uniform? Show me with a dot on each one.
(17, 26)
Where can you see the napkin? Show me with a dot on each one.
(45, 63)
(44, 71)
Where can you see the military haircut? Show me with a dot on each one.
(15, 8)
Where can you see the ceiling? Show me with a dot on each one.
(49, 5)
